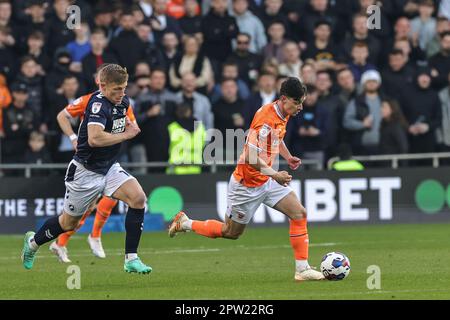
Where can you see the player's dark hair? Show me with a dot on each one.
(293, 88)
(114, 73)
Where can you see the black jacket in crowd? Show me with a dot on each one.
(422, 105)
(17, 124)
(89, 64)
(441, 63)
(393, 138)
(191, 25)
(218, 32)
(58, 34)
(128, 49)
(249, 65)
(35, 96)
(396, 83)
(224, 112)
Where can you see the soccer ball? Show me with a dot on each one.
(335, 266)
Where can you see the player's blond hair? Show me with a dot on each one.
(113, 73)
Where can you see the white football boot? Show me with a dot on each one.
(308, 274)
(177, 224)
(96, 247)
(60, 252)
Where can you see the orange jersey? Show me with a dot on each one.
(76, 109)
(266, 132)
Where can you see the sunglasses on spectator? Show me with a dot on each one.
(243, 42)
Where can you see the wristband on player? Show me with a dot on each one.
(73, 137)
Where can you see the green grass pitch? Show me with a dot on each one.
(413, 259)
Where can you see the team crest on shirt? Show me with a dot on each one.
(265, 131)
(96, 106)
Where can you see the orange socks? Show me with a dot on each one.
(104, 209)
(208, 228)
(298, 234)
(63, 239)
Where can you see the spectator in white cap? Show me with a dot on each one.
(362, 117)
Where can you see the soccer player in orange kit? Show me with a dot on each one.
(255, 181)
(105, 205)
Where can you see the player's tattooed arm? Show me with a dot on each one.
(97, 137)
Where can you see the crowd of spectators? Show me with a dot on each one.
(382, 88)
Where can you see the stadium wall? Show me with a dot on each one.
(368, 197)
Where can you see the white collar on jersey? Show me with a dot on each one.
(278, 111)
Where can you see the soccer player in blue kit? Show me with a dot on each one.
(94, 170)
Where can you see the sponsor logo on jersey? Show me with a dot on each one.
(265, 130)
(119, 125)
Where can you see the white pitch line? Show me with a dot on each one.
(118, 252)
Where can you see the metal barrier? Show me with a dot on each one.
(395, 158)
(315, 165)
(213, 167)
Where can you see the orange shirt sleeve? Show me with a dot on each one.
(259, 131)
(76, 109)
(5, 97)
(130, 114)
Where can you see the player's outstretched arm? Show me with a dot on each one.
(66, 127)
(99, 138)
(293, 162)
(252, 158)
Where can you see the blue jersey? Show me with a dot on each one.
(101, 112)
